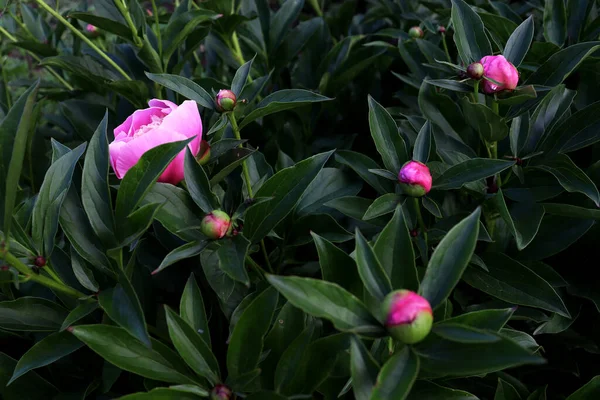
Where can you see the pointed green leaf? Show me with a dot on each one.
(397, 376)
(371, 273)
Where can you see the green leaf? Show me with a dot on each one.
(14, 133)
(506, 391)
(361, 164)
(95, 190)
(562, 63)
(423, 143)
(371, 273)
(587, 391)
(482, 119)
(383, 205)
(469, 171)
(570, 176)
(122, 305)
(524, 222)
(337, 266)
(105, 24)
(567, 210)
(511, 281)
(555, 21)
(31, 386)
(79, 312)
(330, 183)
(394, 250)
(450, 259)
(282, 21)
(230, 161)
(288, 365)
(282, 100)
(163, 394)
(191, 309)
(286, 188)
(240, 78)
(52, 194)
(247, 340)
(327, 300)
(185, 87)
(556, 233)
(83, 274)
(450, 84)
(232, 258)
(31, 314)
(518, 96)
(138, 222)
(397, 376)
(180, 27)
(519, 42)
(463, 333)
(493, 319)
(545, 116)
(443, 357)
(118, 347)
(191, 347)
(322, 224)
(76, 226)
(387, 139)
(576, 132)
(143, 175)
(430, 391)
(364, 370)
(188, 250)
(46, 351)
(539, 394)
(469, 36)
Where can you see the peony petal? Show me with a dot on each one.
(114, 151)
(165, 105)
(186, 121)
(130, 154)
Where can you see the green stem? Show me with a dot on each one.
(157, 24)
(125, 13)
(317, 7)
(446, 47)
(236, 133)
(476, 92)
(420, 218)
(41, 279)
(495, 107)
(78, 33)
(5, 80)
(261, 272)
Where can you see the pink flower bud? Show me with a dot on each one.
(149, 12)
(442, 29)
(204, 153)
(226, 100)
(91, 29)
(408, 316)
(415, 179)
(220, 392)
(500, 70)
(475, 70)
(415, 32)
(216, 225)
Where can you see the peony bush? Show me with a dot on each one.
(298, 199)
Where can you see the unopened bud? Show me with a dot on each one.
(220, 392)
(203, 153)
(415, 179)
(39, 261)
(408, 316)
(216, 224)
(441, 29)
(415, 32)
(226, 100)
(475, 70)
(92, 30)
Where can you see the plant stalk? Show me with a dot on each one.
(41, 279)
(78, 33)
(420, 218)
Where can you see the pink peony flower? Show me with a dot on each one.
(408, 316)
(163, 122)
(415, 178)
(502, 71)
